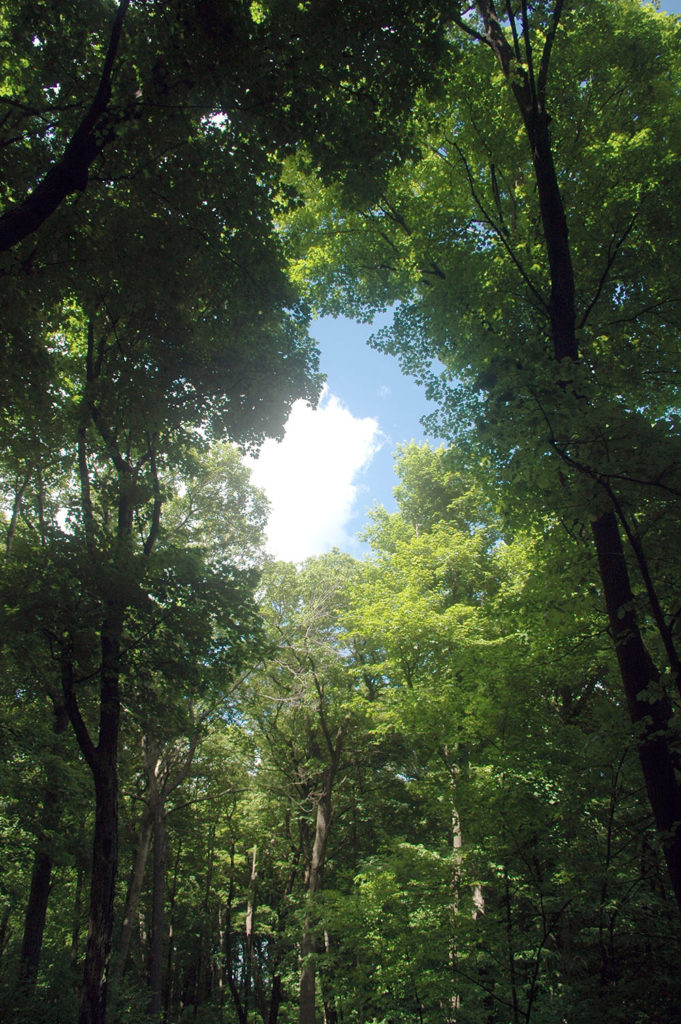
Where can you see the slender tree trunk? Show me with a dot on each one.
(308, 945)
(39, 893)
(16, 512)
(158, 909)
(250, 928)
(277, 991)
(34, 921)
(5, 931)
(170, 971)
(220, 968)
(510, 947)
(276, 999)
(77, 911)
(330, 1012)
(103, 763)
(229, 946)
(202, 972)
(133, 897)
(315, 875)
(104, 862)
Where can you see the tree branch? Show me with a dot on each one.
(73, 711)
(16, 512)
(514, 30)
(468, 29)
(612, 256)
(499, 232)
(543, 75)
(158, 502)
(528, 53)
(70, 173)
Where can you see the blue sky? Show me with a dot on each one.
(336, 462)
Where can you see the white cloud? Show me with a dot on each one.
(310, 477)
(383, 391)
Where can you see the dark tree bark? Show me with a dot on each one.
(330, 1012)
(249, 968)
(102, 758)
(5, 931)
(229, 948)
(170, 967)
(202, 974)
(277, 990)
(34, 920)
(309, 942)
(104, 863)
(41, 874)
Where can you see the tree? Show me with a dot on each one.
(309, 721)
(526, 878)
(100, 582)
(174, 156)
(93, 89)
(521, 248)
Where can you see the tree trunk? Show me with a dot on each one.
(170, 971)
(330, 1012)
(250, 928)
(157, 909)
(315, 874)
(5, 931)
(201, 990)
(277, 991)
(276, 999)
(132, 897)
(308, 945)
(103, 763)
(510, 947)
(649, 708)
(34, 921)
(36, 907)
(104, 862)
(77, 909)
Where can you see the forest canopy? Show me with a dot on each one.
(441, 783)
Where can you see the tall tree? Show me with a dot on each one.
(528, 849)
(308, 720)
(521, 246)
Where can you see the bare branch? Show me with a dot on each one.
(612, 256)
